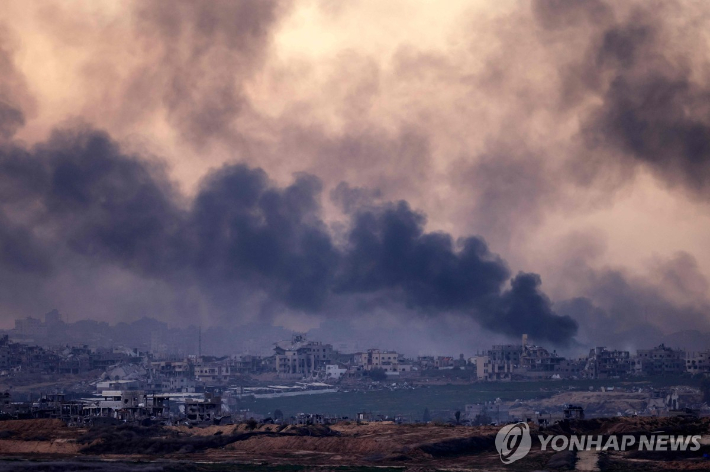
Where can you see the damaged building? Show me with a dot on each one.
(302, 357)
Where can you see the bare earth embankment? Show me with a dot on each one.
(48, 445)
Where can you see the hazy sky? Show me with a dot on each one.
(362, 160)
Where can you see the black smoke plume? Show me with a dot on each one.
(77, 197)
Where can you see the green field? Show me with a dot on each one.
(412, 403)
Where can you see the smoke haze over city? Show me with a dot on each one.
(426, 175)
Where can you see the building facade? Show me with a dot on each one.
(302, 357)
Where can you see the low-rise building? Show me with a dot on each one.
(127, 405)
(536, 361)
(377, 359)
(697, 362)
(660, 360)
(213, 372)
(207, 410)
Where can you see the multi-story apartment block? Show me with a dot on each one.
(604, 364)
(488, 369)
(503, 353)
(697, 362)
(213, 372)
(302, 357)
(660, 360)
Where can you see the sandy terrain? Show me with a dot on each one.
(366, 446)
(592, 402)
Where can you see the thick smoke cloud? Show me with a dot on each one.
(81, 197)
(524, 303)
(389, 250)
(15, 102)
(657, 118)
(198, 57)
(522, 123)
(640, 68)
(667, 303)
(246, 229)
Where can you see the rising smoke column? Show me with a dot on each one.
(77, 197)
